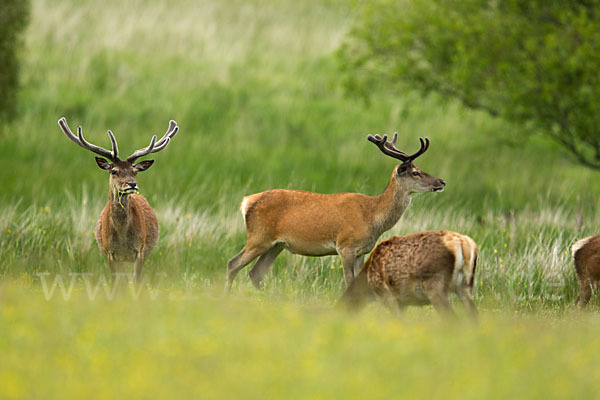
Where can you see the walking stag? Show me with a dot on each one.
(314, 224)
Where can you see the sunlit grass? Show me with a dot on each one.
(251, 347)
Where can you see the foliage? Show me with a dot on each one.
(14, 17)
(534, 63)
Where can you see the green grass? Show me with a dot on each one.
(256, 89)
(195, 346)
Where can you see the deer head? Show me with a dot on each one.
(122, 172)
(414, 179)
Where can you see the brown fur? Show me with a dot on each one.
(417, 269)
(314, 224)
(586, 255)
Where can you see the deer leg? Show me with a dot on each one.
(438, 297)
(116, 272)
(257, 273)
(360, 260)
(465, 294)
(348, 262)
(243, 258)
(585, 292)
(116, 268)
(137, 269)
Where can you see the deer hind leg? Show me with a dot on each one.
(437, 294)
(243, 258)
(465, 294)
(257, 273)
(585, 291)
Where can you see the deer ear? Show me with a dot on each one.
(402, 168)
(102, 163)
(144, 165)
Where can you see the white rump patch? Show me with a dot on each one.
(579, 244)
(244, 207)
(459, 259)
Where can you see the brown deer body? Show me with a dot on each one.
(586, 255)
(314, 224)
(127, 229)
(417, 269)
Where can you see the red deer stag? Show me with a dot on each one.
(586, 253)
(127, 229)
(314, 224)
(417, 269)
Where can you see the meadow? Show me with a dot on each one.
(257, 91)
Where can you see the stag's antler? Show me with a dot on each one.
(389, 148)
(80, 141)
(155, 146)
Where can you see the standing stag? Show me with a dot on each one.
(127, 229)
(586, 253)
(314, 224)
(417, 269)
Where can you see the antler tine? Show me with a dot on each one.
(169, 134)
(113, 141)
(162, 146)
(80, 141)
(142, 152)
(388, 148)
(423, 149)
(158, 145)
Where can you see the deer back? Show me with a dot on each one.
(306, 217)
(443, 254)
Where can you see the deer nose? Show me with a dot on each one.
(133, 185)
(443, 182)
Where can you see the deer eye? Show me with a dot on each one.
(415, 173)
(113, 171)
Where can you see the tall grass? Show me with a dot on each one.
(524, 260)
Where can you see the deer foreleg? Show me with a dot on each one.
(349, 260)
(138, 265)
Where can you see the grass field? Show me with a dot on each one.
(257, 91)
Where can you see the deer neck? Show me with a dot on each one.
(120, 207)
(391, 204)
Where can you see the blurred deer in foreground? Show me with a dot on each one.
(127, 229)
(586, 254)
(314, 224)
(417, 269)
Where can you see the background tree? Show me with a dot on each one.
(14, 16)
(532, 62)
